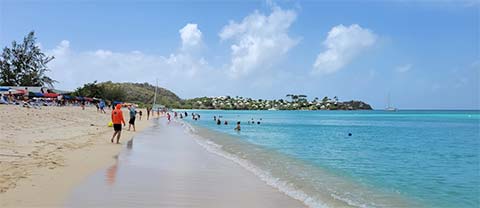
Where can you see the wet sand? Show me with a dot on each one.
(46, 152)
(164, 166)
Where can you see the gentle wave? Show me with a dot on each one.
(401, 159)
(265, 176)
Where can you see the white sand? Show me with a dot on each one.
(45, 152)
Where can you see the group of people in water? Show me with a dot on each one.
(219, 122)
(237, 128)
(217, 119)
(195, 116)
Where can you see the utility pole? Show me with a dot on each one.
(155, 95)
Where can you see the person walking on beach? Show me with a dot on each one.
(102, 106)
(132, 113)
(117, 120)
(168, 117)
(140, 115)
(83, 104)
(148, 112)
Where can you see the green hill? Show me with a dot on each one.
(140, 93)
(143, 94)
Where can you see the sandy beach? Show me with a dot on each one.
(165, 166)
(49, 156)
(45, 152)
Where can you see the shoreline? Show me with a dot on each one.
(209, 140)
(49, 151)
(269, 166)
(184, 173)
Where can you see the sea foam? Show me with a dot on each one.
(265, 176)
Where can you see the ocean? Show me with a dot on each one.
(354, 158)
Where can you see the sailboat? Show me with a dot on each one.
(389, 108)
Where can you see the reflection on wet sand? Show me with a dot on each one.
(130, 144)
(112, 174)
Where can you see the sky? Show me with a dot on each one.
(424, 53)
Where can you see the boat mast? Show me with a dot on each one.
(388, 101)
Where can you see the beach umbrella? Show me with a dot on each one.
(67, 97)
(4, 88)
(35, 94)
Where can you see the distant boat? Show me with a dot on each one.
(272, 109)
(389, 107)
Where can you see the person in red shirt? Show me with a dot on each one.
(117, 120)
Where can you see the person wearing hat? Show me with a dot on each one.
(117, 120)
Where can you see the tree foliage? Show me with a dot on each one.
(140, 93)
(90, 90)
(24, 64)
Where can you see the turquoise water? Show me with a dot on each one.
(391, 159)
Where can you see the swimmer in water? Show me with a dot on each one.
(238, 126)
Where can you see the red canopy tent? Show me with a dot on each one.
(51, 95)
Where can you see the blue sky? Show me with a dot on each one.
(424, 53)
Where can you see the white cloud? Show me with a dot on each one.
(75, 68)
(191, 36)
(404, 68)
(343, 44)
(258, 40)
(62, 48)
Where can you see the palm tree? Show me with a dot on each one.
(302, 98)
(294, 98)
(289, 96)
(325, 99)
